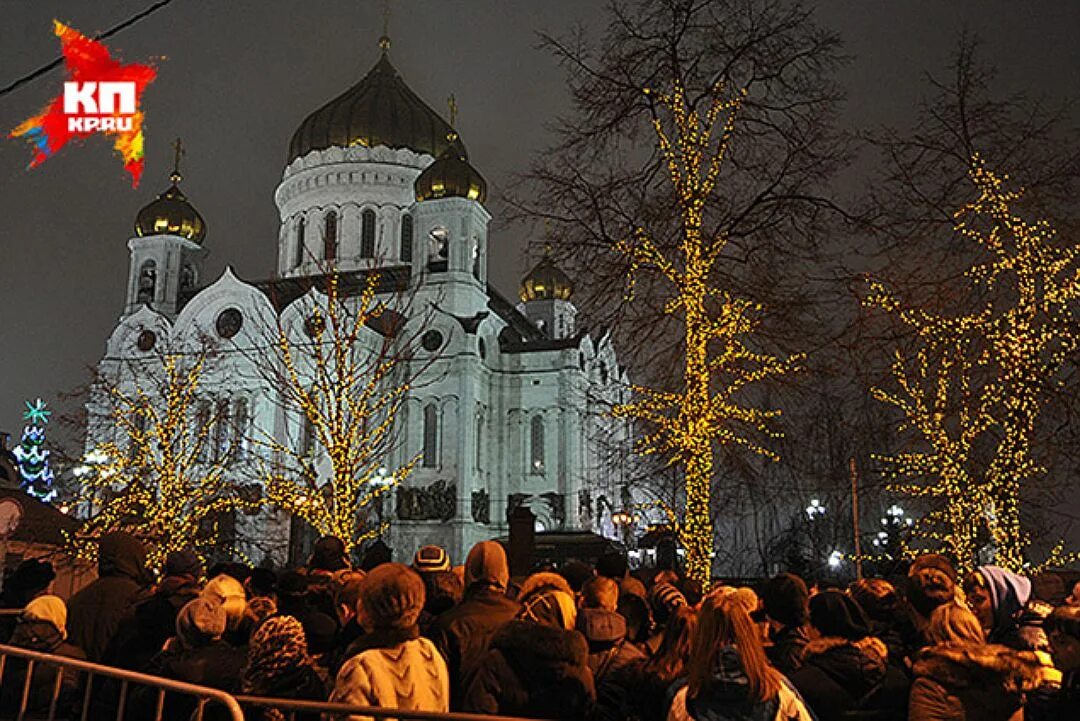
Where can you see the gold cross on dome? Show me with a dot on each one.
(178, 152)
(451, 102)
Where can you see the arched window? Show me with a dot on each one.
(307, 434)
(367, 234)
(479, 440)
(138, 434)
(187, 277)
(300, 242)
(536, 444)
(330, 237)
(147, 282)
(476, 258)
(431, 436)
(202, 430)
(406, 238)
(221, 430)
(241, 423)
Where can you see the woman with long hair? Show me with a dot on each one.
(728, 674)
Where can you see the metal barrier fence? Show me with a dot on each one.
(202, 696)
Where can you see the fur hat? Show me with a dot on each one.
(487, 564)
(834, 613)
(430, 559)
(392, 596)
(200, 621)
(50, 609)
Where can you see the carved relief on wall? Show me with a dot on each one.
(436, 502)
(481, 506)
(585, 512)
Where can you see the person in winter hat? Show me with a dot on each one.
(95, 612)
(329, 556)
(604, 629)
(1002, 602)
(462, 634)
(30, 579)
(152, 621)
(431, 559)
(846, 670)
(278, 664)
(962, 677)
(537, 666)
(1063, 630)
(41, 627)
(786, 600)
(728, 674)
(196, 654)
(395, 667)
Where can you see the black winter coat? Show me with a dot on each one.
(152, 622)
(788, 647)
(95, 612)
(609, 650)
(463, 633)
(534, 671)
(217, 665)
(840, 676)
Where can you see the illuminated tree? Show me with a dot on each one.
(973, 389)
(154, 478)
(718, 361)
(31, 455)
(342, 379)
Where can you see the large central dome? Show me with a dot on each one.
(379, 110)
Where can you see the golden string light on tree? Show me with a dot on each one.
(345, 385)
(155, 478)
(980, 379)
(718, 362)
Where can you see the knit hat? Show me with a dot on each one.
(835, 613)
(430, 559)
(329, 554)
(200, 621)
(392, 596)
(487, 564)
(550, 607)
(785, 597)
(665, 599)
(50, 609)
(183, 563)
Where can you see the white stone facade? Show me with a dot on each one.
(508, 413)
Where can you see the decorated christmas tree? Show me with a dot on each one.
(33, 459)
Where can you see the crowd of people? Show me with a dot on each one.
(574, 642)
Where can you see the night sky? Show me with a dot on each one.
(236, 78)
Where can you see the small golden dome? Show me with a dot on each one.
(546, 282)
(171, 214)
(451, 176)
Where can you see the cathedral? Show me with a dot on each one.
(511, 407)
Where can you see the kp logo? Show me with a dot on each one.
(102, 96)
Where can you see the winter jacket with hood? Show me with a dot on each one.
(534, 671)
(95, 612)
(971, 682)
(839, 676)
(609, 650)
(43, 637)
(727, 698)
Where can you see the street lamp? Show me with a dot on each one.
(815, 510)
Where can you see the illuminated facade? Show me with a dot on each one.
(508, 402)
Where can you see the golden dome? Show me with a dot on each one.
(546, 282)
(171, 214)
(451, 176)
(379, 110)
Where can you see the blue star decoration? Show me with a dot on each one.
(35, 413)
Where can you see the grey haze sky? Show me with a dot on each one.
(236, 78)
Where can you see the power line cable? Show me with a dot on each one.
(108, 33)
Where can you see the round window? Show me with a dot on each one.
(229, 322)
(146, 340)
(314, 325)
(432, 340)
